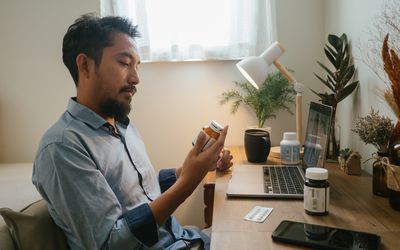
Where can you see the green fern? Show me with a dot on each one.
(274, 94)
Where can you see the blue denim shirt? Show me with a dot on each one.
(98, 184)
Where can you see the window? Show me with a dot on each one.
(184, 30)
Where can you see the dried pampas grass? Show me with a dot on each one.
(388, 96)
(391, 65)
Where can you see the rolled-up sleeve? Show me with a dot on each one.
(166, 178)
(142, 224)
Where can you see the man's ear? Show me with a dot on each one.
(84, 64)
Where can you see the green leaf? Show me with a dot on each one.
(344, 41)
(332, 81)
(347, 91)
(347, 75)
(326, 69)
(339, 60)
(330, 54)
(335, 41)
(326, 82)
(344, 64)
(325, 97)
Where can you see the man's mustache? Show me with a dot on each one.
(128, 88)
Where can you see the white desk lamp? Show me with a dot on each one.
(255, 70)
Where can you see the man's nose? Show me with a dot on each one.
(133, 77)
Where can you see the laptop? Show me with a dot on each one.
(285, 181)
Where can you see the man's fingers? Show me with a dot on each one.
(224, 133)
(200, 141)
(225, 152)
(219, 144)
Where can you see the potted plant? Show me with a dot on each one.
(274, 94)
(376, 130)
(344, 154)
(337, 81)
(349, 161)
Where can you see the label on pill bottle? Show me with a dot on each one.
(290, 154)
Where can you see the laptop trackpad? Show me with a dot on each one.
(246, 179)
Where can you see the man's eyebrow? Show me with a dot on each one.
(127, 54)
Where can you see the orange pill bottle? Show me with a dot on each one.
(212, 132)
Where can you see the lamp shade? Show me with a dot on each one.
(254, 69)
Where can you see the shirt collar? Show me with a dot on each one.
(88, 116)
(85, 114)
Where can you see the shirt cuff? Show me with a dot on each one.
(166, 178)
(142, 224)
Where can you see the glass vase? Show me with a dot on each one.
(333, 146)
(379, 178)
(393, 177)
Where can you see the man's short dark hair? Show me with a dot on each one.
(90, 35)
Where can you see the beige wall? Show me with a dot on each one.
(34, 84)
(174, 99)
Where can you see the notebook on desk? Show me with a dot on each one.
(285, 181)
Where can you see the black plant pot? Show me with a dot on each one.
(257, 145)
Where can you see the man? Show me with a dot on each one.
(92, 167)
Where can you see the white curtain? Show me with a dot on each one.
(184, 30)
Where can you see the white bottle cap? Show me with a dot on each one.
(317, 173)
(216, 127)
(290, 136)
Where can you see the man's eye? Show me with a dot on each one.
(124, 64)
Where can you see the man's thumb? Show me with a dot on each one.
(200, 141)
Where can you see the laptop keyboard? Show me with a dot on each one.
(283, 180)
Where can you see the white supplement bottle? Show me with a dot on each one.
(290, 149)
(316, 191)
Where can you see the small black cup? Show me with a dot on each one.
(257, 145)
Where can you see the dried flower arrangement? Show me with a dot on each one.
(376, 130)
(391, 65)
(385, 63)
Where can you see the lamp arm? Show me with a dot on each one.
(299, 88)
(299, 128)
(284, 71)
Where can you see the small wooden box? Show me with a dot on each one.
(351, 165)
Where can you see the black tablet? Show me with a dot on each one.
(322, 237)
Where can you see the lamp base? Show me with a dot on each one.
(276, 152)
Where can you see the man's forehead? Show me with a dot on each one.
(124, 45)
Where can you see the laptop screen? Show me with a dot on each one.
(317, 133)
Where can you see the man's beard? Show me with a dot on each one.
(116, 109)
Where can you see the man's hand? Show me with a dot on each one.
(192, 172)
(225, 160)
(198, 163)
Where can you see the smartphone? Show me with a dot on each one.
(322, 237)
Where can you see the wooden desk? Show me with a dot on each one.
(352, 206)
